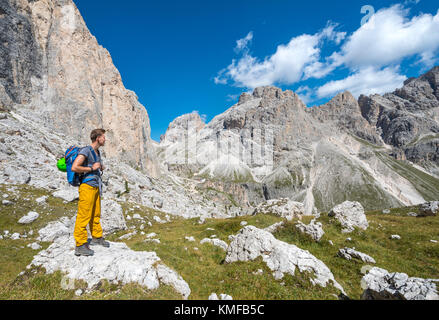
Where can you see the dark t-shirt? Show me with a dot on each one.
(90, 159)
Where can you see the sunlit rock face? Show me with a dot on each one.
(55, 69)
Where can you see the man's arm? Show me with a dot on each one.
(78, 168)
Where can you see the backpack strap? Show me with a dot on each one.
(91, 175)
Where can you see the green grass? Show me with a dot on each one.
(204, 269)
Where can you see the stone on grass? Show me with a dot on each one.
(118, 263)
(34, 246)
(157, 219)
(7, 202)
(379, 284)
(69, 194)
(128, 236)
(314, 229)
(42, 199)
(349, 254)
(429, 209)
(29, 218)
(281, 257)
(15, 236)
(350, 215)
(214, 296)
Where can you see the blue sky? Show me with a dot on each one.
(182, 56)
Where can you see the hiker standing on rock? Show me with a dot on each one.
(89, 163)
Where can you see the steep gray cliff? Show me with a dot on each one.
(53, 68)
(408, 119)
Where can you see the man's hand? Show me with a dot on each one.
(96, 166)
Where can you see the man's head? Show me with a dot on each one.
(98, 136)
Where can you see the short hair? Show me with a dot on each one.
(96, 134)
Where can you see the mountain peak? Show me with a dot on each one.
(271, 92)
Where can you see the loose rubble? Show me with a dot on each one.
(284, 208)
(379, 284)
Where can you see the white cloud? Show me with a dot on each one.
(242, 44)
(366, 81)
(388, 37)
(373, 54)
(285, 66)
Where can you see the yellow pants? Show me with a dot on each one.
(89, 213)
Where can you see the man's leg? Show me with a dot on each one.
(95, 222)
(87, 195)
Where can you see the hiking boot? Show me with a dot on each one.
(83, 250)
(99, 242)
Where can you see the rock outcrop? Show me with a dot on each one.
(271, 146)
(281, 257)
(350, 215)
(55, 69)
(408, 119)
(429, 209)
(379, 284)
(117, 264)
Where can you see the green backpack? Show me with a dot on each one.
(61, 164)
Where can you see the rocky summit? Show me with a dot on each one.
(265, 193)
(380, 150)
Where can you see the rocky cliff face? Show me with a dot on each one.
(270, 145)
(52, 67)
(408, 119)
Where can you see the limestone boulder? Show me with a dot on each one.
(350, 215)
(281, 257)
(379, 284)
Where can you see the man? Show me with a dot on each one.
(89, 163)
